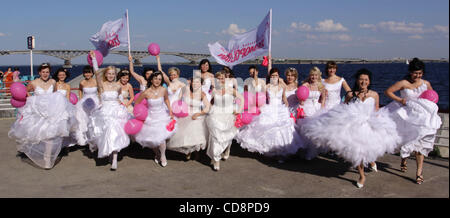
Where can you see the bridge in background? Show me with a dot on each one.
(68, 55)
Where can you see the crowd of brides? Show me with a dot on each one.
(354, 128)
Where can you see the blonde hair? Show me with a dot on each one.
(220, 73)
(291, 70)
(315, 70)
(174, 69)
(104, 70)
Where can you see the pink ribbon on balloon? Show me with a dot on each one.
(265, 62)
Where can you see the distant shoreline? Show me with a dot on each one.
(279, 61)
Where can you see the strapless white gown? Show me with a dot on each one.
(82, 114)
(311, 104)
(272, 133)
(220, 122)
(106, 126)
(353, 131)
(192, 134)
(417, 121)
(334, 93)
(41, 125)
(293, 101)
(73, 125)
(154, 131)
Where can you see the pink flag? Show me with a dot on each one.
(112, 35)
(244, 46)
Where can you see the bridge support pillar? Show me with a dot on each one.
(67, 63)
(137, 62)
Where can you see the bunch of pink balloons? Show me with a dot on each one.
(140, 112)
(19, 94)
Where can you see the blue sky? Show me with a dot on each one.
(301, 29)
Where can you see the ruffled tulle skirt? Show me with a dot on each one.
(354, 132)
(272, 133)
(154, 131)
(221, 132)
(41, 126)
(191, 135)
(106, 129)
(82, 113)
(417, 124)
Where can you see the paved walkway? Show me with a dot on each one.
(79, 174)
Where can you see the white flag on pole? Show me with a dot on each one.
(244, 46)
(112, 35)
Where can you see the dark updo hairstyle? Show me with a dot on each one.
(272, 71)
(123, 73)
(192, 81)
(330, 64)
(55, 75)
(362, 71)
(155, 74)
(228, 70)
(43, 66)
(148, 69)
(203, 62)
(252, 67)
(88, 69)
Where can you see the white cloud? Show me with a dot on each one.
(328, 37)
(233, 29)
(187, 30)
(415, 37)
(301, 26)
(2, 34)
(396, 27)
(328, 25)
(368, 26)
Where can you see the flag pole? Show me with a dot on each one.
(270, 40)
(128, 28)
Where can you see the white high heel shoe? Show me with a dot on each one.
(216, 165)
(359, 185)
(374, 168)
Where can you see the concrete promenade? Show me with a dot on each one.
(80, 174)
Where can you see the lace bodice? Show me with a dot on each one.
(40, 91)
(413, 93)
(275, 98)
(292, 97)
(62, 91)
(224, 102)
(206, 85)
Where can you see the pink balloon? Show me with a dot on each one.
(19, 91)
(265, 62)
(17, 103)
(143, 102)
(98, 56)
(302, 93)
(246, 118)
(73, 98)
(249, 100)
(260, 99)
(153, 49)
(180, 109)
(140, 112)
(133, 126)
(430, 95)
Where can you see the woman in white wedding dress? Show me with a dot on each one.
(220, 120)
(417, 118)
(106, 124)
(355, 131)
(43, 122)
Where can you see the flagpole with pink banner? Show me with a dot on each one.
(128, 30)
(270, 39)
